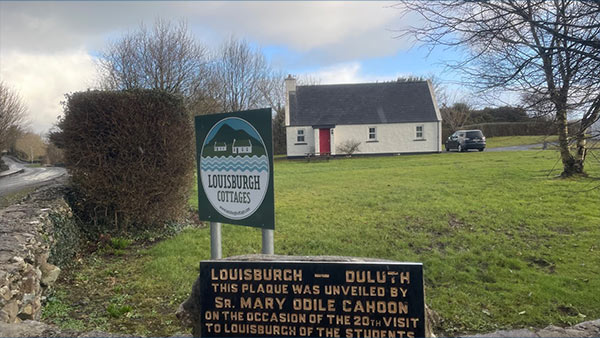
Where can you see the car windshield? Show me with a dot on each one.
(474, 134)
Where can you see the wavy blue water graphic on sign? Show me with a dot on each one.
(238, 163)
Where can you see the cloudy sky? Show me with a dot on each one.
(48, 49)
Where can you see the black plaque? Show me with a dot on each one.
(311, 299)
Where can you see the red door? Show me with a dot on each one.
(324, 141)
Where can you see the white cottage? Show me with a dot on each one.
(220, 147)
(241, 147)
(386, 118)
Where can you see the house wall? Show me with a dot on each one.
(300, 149)
(391, 138)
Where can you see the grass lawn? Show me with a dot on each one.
(509, 141)
(503, 242)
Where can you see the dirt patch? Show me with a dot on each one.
(567, 310)
(543, 264)
(454, 222)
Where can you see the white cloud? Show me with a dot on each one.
(350, 72)
(327, 30)
(331, 28)
(42, 80)
(46, 47)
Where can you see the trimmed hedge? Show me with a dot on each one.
(130, 156)
(514, 128)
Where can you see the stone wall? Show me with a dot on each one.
(25, 242)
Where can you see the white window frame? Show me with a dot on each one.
(422, 132)
(374, 138)
(300, 136)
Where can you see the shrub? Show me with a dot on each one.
(130, 156)
(120, 243)
(68, 239)
(348, 147)
(514, 128)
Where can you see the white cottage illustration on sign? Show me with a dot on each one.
(220, 146)
(241, 147)
(385, 118)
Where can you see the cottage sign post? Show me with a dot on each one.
(235, 173)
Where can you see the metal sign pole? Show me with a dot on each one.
(215, 241)
(267, 242)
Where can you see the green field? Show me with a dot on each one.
(509, 141)
(504, 243)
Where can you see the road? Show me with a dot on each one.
(28, 178)
(33, 177)
(512, 148)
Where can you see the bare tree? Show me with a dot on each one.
(279, 133)
(165, 57)
(537, 105)
(12, 115)
(546, 49)
(54, 155)
(241, 78)
(30, 147)
(456, 115)
(309, 80)
(441, 92)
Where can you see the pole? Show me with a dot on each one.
(215, 241)
(267, 242)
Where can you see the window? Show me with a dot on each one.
(419, 132)
(300, 136)
(372, 134)
(474, 134)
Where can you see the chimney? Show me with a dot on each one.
(290, 84)
(290, 88)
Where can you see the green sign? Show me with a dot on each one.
(235, 168)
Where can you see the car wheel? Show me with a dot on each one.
(447, 149)
(481, 149)
(460, 149)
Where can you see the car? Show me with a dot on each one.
(463, 140)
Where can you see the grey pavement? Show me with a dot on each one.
(19, 176)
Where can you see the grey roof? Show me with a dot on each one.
(363, 103)
(242, 143)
